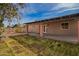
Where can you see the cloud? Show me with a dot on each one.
(67, 10)
(59, 8)
(27, 10)
(30, 9)
(62, 7)
(44, 11)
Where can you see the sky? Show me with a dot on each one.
(41, 11)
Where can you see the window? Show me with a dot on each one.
(65, 25)
(45, 28)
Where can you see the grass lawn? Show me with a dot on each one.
(47, 47)
(4, 49)
(17, 48)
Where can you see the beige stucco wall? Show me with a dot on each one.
(33, 28)
(54, 28)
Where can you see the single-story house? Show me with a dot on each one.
(65, 28)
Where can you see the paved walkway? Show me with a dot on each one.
(17, 48)
(12, 34)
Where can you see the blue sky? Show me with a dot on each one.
(42, 11)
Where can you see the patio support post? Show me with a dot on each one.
(78, 30)
(41, 30)
(26, 29)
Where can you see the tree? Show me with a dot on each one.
(9, 11)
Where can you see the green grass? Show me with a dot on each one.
(48, 47)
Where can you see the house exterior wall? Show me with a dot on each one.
(54, 31)
(34, 29)
(54, 28)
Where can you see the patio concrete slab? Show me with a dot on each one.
(72, 39)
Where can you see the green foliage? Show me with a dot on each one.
(9, 11)
(1, 30)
